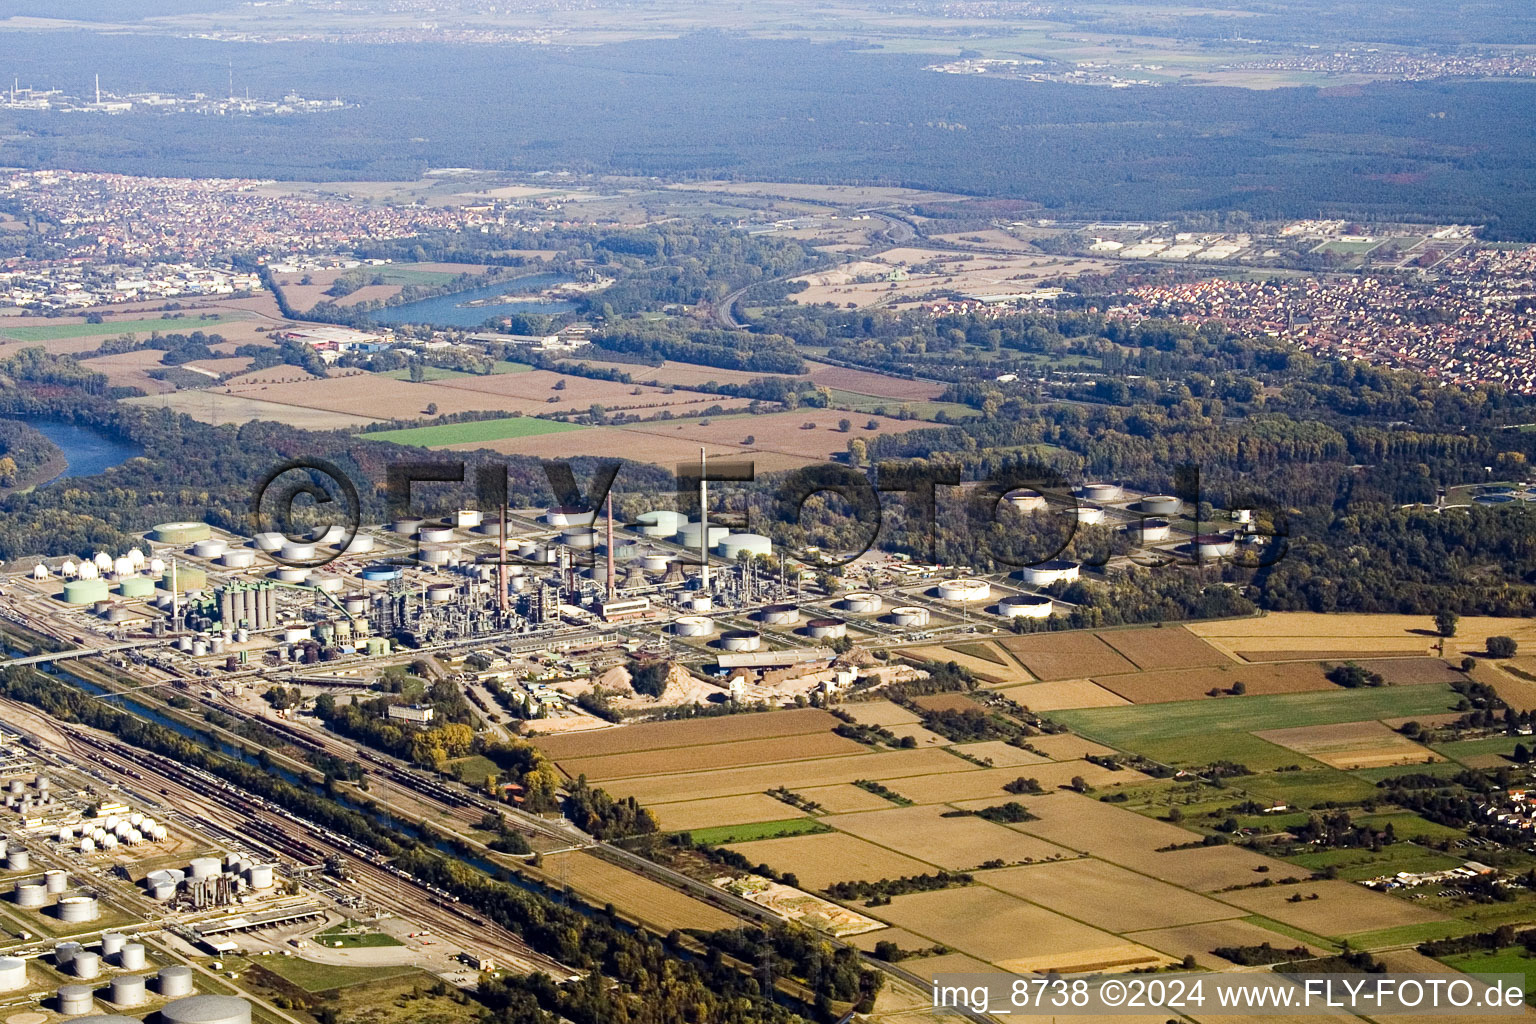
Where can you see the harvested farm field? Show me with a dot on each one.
(532, 390)
(220, 409)
(1357, 634)
(1165, 648)
(655, 904)
(1259, 657)
(1062, 746)
(1351, 745)
(1200, 939)
(1063, 695)
(880, 712)
(1072, 655)
(844, 798)
(724, 810)
(1416, 671)
(686, 733)
(366, 394)
(985, 669)
(1006, 755)
(1106, 896)
(738, 754)
(797, 775)
(957, 844)
(986, 784)
(1195, 683)
(1341, 908)
(1010, 933)
(818, 861)
(1113, 833)
(868, 382)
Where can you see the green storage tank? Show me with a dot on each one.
(188, 577)
(180, 533)
(137, 586)
(85, 591)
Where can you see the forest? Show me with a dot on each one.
(793, 111)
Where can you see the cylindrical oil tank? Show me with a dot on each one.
(582, 538)
(688, 535)
(737, 544)
(203, 867)
(779, 615)
(909, 615)
(440, 593)
(117, 614)
(436, 534)
(1024, 499)
(56, 881)
(355, 604)
(660, 522)
(262, 876)
(199, 648)
(359, 544)
(1025, 606)
(438, 554)
(569, 515)
(126, 990)
(75, 1000)
(64, 953)
(297, 634)
(406, 526)
(77, 909)
(85, 965)
(655, 561)
(965, 590)
(693, 625)
(213, 547)
(1149, 530)
(826, 629)
(132, 957)
(180, 533)
(1160, 505)
(1215, 545)
(1088, 515)
(18, 860)
(1057, 570)
(106, 1018)
(862, 603)
(741, 640)
(137, 586)
(13, 973)
(207, 1010)
(467, 518)
(700, 603)
(1245, 515)
(188, 577)
(112, 943)
(174, 981)
(1101, 491)
(381, 573)
(269, 541)
(83, 591)
(297, 551)
(489, 526)
(327, 584)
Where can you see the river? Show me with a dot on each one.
(451, 311)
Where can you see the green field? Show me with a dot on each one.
(757, 830)
(1356, 864)
(1199, 731)
(112, 328)
(1510, 960)
(1309, 788)
(475, 432)
(856, 402)
(1485, 753)
(313, 977)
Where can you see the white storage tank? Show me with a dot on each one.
(660, 523)
(13, 973)
(965, 590)
(862, 603)
(297, 550)
(438, 554)
(467, 518)
(269, 541)
(18, 860)
(909, 615)
(436, 534)
(741, 640)
(359, 544)
(207, 1010)
(440, 593)
(112, 943)
(210, 548)
(1242, 515)
(75, 1000)
(688, 535)
(239, 558)
(1101, 491)
(262, 876)
(1025, 606)
(132, 957)
(86, 965)
(1215, 545)
(1160, 505)
(737, 544)
(1024, 499)
(779, 615)
(204, 867)
(582, 538)
(693, 625)
(174, 981)
(55, 881)
(406, 526)
(1044, 574)
(87, 845)
(826, 629)
(1149, 531)
(652, 560)
(126, 990)
(64, 953)
(291, 573)
(1088, 515)
(77, 909)
(569, 515)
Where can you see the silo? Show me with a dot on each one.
(56, 881)
(262, 876)
(204, 867)
(13, 973)
(18, 860)
(112, 943)
(174, 981)
(126, 990)
(132, 957)
(77, 909)
(86, 965)
(207, 1010)
(75, 1000)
